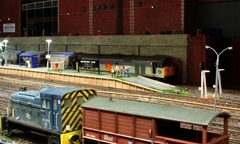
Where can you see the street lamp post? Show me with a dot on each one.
(6, 56)
(48, 56)
(216, 78)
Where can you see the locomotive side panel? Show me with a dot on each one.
(25, 112)
(24, 106)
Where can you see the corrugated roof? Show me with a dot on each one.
(187, 115)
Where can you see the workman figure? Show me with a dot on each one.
(113, 72)
(27, 63)
(127, 68)
(117, 70)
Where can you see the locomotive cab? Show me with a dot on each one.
(156, 67)
(52, 113)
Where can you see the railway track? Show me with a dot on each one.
(9, 85)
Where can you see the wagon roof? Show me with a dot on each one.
(187, 115)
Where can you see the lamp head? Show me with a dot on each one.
(5, 41)
(230, 48)
(48, 40)
(207, 47)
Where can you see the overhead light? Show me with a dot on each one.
(48, 40)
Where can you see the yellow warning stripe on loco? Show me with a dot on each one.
(72, 115)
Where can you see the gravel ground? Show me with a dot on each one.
(194, 91)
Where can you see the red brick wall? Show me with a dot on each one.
(77, 21)
(105, 20)
(126, 18)
(168, 17)
(150, 19)
(9, 9)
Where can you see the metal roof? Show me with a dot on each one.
(61, 90)
(67, 54)
(14, 52)
(187, 115)
(31, 53)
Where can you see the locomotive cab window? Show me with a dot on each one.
(54, 104)
(80, 100)
(157, 65)
(46, 103)
(67, 102)
(91, 96)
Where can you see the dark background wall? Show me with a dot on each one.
(219, 19)
(9, 13)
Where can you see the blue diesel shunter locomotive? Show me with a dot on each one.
(54, 113)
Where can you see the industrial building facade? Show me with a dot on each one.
(89, 17)
(217, 18)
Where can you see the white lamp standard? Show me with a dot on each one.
(6, 53)
(48, 56)
(216, 79)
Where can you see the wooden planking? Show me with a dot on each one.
(143, 125)
(107, 122)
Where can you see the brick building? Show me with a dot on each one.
(88, 17)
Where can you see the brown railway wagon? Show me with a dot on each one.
(130, 122)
